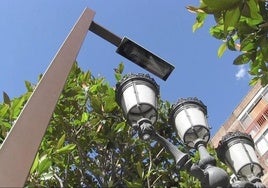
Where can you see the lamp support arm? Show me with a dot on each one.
(205, 157)
(147, 131)
(179, 157)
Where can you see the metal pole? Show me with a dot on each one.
(19, 149)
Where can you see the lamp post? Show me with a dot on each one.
(137, 95)
(19, 148)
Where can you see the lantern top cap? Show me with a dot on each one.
(230, 139)
(131, 77)
(140, 76)
(234, 135)
(187, 101)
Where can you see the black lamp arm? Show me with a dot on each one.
(147, 131)
(179, 157)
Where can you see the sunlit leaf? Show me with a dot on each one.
(44, 164)
(4, 109)
(222, 49)
(217, 32)
(35, 163)
(120, 127)
(17, 105)
(61, 141)
(84, 117)
(200, 19)
(5, 124)
(96, 103)
(66, 148)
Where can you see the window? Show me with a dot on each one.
(262, 143)
(254, 130)
(246, 120)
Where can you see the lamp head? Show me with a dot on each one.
(189, 116)
(236, 149)
(137, 95)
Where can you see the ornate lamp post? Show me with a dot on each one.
(137, 95)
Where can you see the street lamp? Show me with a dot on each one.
(189, 116)
(137, 95)
(236, 149)
(35, 116)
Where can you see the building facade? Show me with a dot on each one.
(251, 116)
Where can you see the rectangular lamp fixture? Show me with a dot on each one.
(144, 58)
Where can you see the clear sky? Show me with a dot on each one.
(32, 31)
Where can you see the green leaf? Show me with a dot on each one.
(84, 117)
(6, 98)
(136, 184)
(93, 88)
(254, 70)
(217, 32)
(231, 18)
(3, 110)
(222, 49)
(199, 22)
(96, 104)
(61, 141)
(139, 169)
(28, 86)
(118, 76)
(120, 127)
(35, 163)
(109, 101)
(219, 5)
(231, 44)
(253, 81)
(242, 59)
(5, 124)
(66, 148)
(254, 10)
(248, 43)
(44, 164)
(17, 105)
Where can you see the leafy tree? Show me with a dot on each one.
(89, 144)
(242, 26)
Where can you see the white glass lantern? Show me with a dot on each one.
(137, 96)
(189, 116)
(236, 150)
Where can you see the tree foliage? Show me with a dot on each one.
(89, 144)
(242, 25)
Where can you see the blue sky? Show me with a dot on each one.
(32, 31)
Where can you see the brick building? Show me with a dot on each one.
(251, 116)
